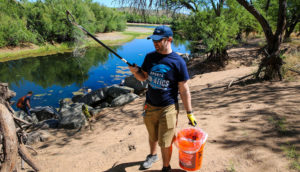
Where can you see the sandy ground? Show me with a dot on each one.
(243, 124)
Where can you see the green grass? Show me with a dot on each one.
(279, 125)
(293, 155)
(137, 34)
(40, 51)
(231, 167)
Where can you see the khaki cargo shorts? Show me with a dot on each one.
(161, 123)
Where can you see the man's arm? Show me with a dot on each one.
(138, 73)
(185, 95)
(186, 99)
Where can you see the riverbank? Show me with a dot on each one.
(254, 127)
(110, 39)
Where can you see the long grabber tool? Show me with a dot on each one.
(72, 21)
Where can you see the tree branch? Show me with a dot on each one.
(188, 6)
(267, 5)
(263, 22)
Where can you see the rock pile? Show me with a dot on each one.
(70, 115)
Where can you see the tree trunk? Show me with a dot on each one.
(10, 143)
(220, 57)
(272, 62)
(289, 30)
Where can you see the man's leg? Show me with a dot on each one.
(151, 122)
(166, 155)
(153, 147)
(166, 132)
(27, 111)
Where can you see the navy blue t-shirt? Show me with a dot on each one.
(164, 73)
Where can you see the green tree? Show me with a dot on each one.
(13, 30)
(272, 62)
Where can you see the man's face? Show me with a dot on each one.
(161, 45)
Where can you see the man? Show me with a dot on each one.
(167, 73)
(24, 103)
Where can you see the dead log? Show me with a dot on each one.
(8, 130)
(10, 141)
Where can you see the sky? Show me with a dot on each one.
(108, 3)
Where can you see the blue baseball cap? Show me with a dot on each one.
(161, 32)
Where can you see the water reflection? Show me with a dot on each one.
(59, 76)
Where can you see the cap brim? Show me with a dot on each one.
(155, 37)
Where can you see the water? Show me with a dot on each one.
(59, 76)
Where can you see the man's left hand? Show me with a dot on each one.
(192, 119)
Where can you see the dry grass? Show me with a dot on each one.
(292, 61)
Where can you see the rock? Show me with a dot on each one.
(45, 112)
(123, 99)
(77, 98)
(131, 147)
(138, 86)
(72, 116)
(104, 105)
(116, 90)
(50, 123)
(22, 115)
(185, 56)
(93, 97)
(37, 136)
(95, 111)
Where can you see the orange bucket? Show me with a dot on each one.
(190, 142)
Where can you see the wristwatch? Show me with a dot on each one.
(189, 112)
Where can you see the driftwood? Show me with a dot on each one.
(239, 79)
(294, 70)
(24, 154)
(12, 142)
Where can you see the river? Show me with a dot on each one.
(59, 76)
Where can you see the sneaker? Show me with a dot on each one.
(166, 169)
(150, 160)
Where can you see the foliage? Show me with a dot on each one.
(13, 29)
(108, 19)
(246, 22)
(45, 21)
(134, 17)
(215, 32)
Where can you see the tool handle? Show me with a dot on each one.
(72, 20)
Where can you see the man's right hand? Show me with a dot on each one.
(134, 68)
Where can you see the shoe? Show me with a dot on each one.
(166, 169)
(150, 160)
